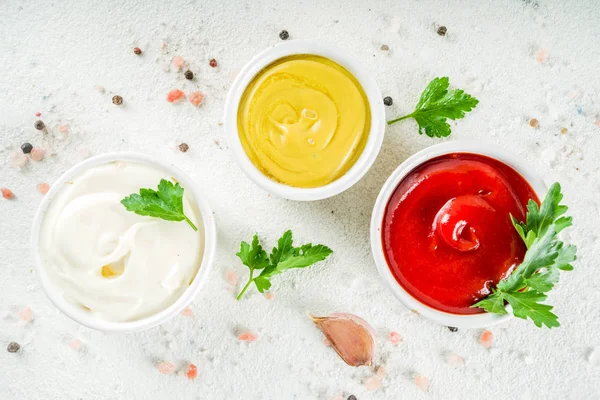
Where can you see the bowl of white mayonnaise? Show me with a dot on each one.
(119, 268)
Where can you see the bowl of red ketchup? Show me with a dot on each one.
(441, 233)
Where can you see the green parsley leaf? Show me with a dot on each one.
(283, 257)
(539, 219)
(436, 105)
(528, 304)
(539, 272)
(262, 283)
(566, 255)
(494, 303)
(284, 248)
(253, 256)
(543, 281)
(542, 253)
(303, 257)
(166, 203)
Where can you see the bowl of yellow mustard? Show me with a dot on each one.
(305, 120)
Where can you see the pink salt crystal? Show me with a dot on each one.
(38, 114)
(26, 314)
(196, 98)
(248, 336)
(49, 151)
(380, 371)
(454, 360)
(541, 56)
(326, 341)
(192, 372)
(18, 159)
(37, 154)
(100, 88)
(597, 123)
(233, 74)
(269, 295)
(573, 94)
(64, 128)
(178, 62)
(373, 383)
(84, 152)
(395, 337)
(75, 344)
(166, 368)
(231, 277)
(175, 95)
(486, 339)
(187, 312)
(422, 382)
(7, 193)
(43, 187)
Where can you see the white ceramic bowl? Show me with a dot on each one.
(443, 318)
(374, 141)
(78, 314)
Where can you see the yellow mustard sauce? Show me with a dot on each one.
(304, 120)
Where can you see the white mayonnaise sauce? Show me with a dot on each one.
(119, 265)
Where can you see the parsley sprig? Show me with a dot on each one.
(283, 257)
(166, 203)
(525, 289)
(436, 105)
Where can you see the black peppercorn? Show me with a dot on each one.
(388, 101)
(442, 30)
(453, 329)
(183, 147)
(26, 147)
(189, 74)
(284, 35)
(118, 100)
(13, 347)
(352, 397)
(137, 50)
(39, 125)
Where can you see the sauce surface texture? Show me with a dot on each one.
(304, 120)
(446, 231)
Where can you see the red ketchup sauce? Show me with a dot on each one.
(446, 231)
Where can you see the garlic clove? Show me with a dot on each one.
(350, 336)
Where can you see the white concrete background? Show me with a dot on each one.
(54, 54)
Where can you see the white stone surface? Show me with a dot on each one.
(55, 56)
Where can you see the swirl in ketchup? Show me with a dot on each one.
(447, 234)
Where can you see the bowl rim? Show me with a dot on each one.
(493, 151)
(349, 62)
(86, 319)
